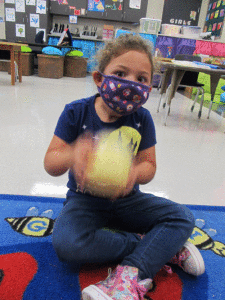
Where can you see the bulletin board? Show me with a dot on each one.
(215, 18)
(181, 12)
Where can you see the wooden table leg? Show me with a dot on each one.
(12, 59)
(19, 66)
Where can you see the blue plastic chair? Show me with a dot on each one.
(221, 107)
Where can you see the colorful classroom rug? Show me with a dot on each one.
(30, 269)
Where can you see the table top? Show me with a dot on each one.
(12, 44)
(191, 66)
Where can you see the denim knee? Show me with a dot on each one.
(186, 217)
(69, 248)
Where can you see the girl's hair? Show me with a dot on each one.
(120, 45)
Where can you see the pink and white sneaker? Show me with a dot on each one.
(122, 284)
(190, 260)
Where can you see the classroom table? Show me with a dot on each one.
(175, 70)
(13, 48)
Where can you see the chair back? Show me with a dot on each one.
(39, 37)
(187, 57)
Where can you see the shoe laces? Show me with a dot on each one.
(138, 286)
(141, 289)
(112, 276)
(180, 257)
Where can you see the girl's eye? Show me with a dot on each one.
(142, 79)
(120, 73)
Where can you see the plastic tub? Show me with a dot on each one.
(193, 31)
(170, 29)
(150, 26)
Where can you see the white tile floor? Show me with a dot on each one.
(190, 152)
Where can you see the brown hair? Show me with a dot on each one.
(120, 45)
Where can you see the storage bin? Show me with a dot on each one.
(50, 66)
(191, 31)
(4, 65)
(170, 29)
(27, 61)
(75, 66)
(150, 26)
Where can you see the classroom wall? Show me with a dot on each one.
(2, 21)
(154, 11)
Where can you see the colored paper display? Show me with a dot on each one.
(96, 5)
(215, 18)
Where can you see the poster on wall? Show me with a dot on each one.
(215, 18)
(20, 5)
(10, 1)
(20, 30)
(96, 5)
(136, 4)
(10, 14)
(41, 7)
(34, 20)
(30, 2)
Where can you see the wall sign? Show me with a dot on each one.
(215, 18)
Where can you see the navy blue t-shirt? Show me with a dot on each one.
(80, 115)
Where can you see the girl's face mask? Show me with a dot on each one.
(122, 95)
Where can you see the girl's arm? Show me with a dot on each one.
(61, 157)
(145, 165)
(58, 158)
(142, 170)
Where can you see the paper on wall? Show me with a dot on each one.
(20, 5)
(20, 30)
(72, 19)
(10, 1)
(10, 14)
(135, 4)
(34, 20)
(41, 7)
(30, 2)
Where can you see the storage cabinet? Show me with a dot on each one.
(113, 10)
(67, 9)
(134, 15)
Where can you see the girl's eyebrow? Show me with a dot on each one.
(125, 68)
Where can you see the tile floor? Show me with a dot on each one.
(190, 152)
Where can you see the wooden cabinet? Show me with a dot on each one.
(68, 9)
(119, 10)
(134, 15)
(112, 11)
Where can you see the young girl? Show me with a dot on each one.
(141, 231)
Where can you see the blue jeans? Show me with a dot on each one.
(97, 230)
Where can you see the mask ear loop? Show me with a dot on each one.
(99, 76)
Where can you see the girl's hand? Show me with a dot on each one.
(123, 192)
(83, 150)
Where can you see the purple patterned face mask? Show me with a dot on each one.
(122, 95)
